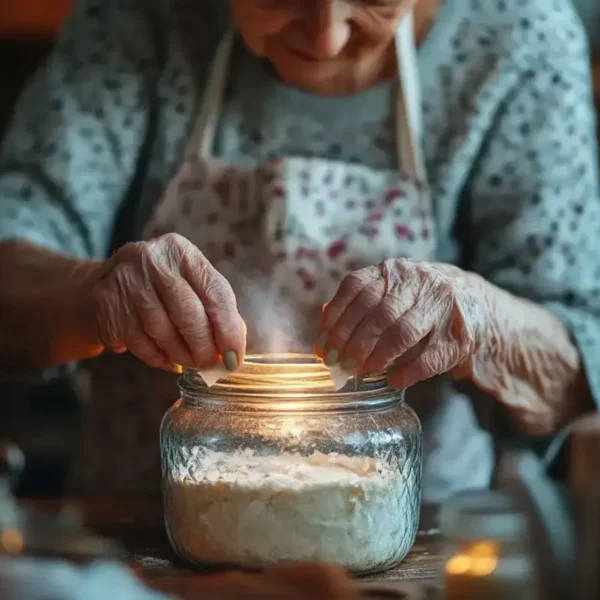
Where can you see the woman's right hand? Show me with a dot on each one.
(165, 303)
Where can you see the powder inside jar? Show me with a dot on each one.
(251, 510)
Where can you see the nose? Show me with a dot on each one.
(329, 30)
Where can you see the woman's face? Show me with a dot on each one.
(323, 46)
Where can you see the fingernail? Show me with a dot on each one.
(332, 358)
(230, 360)
(322, 340)
(349, 365)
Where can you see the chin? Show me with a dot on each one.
(314, 77)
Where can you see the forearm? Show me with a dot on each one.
(528, 361)
(45, 317)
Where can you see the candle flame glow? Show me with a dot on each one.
(478, 560)
(12, 541)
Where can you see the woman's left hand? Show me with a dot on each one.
(416, 320)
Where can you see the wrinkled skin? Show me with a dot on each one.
(166, 304)
(326, 47)
(417, 320)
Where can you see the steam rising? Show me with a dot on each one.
(277, 322)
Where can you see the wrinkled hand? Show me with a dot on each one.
(416, 320)
(165, 303)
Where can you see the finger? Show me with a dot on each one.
(142, 346)
(409, 356)
(190, 329)
(160, 327)
(351, 286)
(189, 319)
(215, 293)
(372, 329)
(367, 299)
(404, 334)
(145, 328)
(432, 361)
(120, 328)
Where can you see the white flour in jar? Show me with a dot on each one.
(251, 510)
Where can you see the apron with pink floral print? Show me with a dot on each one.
(285, 232)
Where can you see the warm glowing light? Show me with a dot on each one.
(289, 406)
(458, 565)
(482, 567)
(478, 560)
(12, 541)
(484, 550)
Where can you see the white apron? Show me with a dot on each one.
(285, 232)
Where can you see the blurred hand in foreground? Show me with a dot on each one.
(288, 582)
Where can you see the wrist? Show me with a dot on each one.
(76, 334)
(473, 305)
(46, 313)
(526, 359)
(486, 366)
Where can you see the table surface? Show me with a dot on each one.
(147, 550)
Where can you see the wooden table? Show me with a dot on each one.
(147, 550)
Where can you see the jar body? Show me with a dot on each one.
(250, 488)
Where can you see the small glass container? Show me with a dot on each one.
(486, 549)
(272, 464)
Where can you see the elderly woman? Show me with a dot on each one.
(425, 169)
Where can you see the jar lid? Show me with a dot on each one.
(482, 514)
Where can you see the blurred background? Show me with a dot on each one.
(43, 417)
(27, 30)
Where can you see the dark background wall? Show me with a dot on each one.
(42, 419)
(18, 60)
(27, 29)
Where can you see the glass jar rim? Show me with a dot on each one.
(290, 379)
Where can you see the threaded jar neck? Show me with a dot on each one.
(283, 382)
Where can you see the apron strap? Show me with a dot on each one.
(408, 103)
(409, 125)
(202, 141)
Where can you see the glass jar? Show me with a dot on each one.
(272, 464)
(486, 549)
